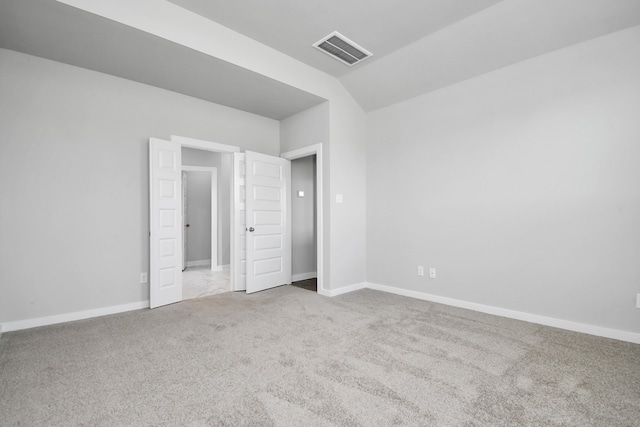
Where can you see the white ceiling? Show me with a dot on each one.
(418, 45)
(380, 26)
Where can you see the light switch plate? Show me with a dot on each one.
(300, 193)
(339, 198)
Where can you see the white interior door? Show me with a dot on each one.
(238, 225)
(165, 190)
(268, 204)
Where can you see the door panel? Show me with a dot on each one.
(268, 203)
(165, 222)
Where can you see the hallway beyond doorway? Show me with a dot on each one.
(200, 281)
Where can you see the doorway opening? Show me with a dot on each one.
(260, 224)
(307, 218)
(203, 274)
(206, 182)
(304, 223)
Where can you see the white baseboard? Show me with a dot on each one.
(198, 263)
(512, 314)
(343, 290)
(632, 337)
(303, 276)
(70, 317)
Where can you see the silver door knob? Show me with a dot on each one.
(252, 229)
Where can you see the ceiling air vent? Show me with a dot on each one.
(342, 49)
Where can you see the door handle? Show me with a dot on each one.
(251, 229)
(187, 225)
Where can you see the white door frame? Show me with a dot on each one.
(185, 241)
(214, 210)
(204, 145)
(305, 152)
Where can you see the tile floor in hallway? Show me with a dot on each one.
(200, 281)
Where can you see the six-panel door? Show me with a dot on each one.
(165, 278)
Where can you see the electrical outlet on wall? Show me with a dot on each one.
(143, 277)
(637, 300)
(420, 270)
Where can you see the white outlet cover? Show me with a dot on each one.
(300, 193)
(339, 198)
(143, 277)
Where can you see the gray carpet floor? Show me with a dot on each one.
(288, 357)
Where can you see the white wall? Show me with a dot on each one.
(344, 152)
(303, 217)
(522, 187)
(342, 123)
(74, 167)
(348, 174)
(309, 127)
(199, 216)
(306, 128)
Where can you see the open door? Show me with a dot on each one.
(268, 237)
(165, 222)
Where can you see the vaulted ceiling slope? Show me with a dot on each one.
(381, 26)
(418, 46)
(509, 32)
(55, 31)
